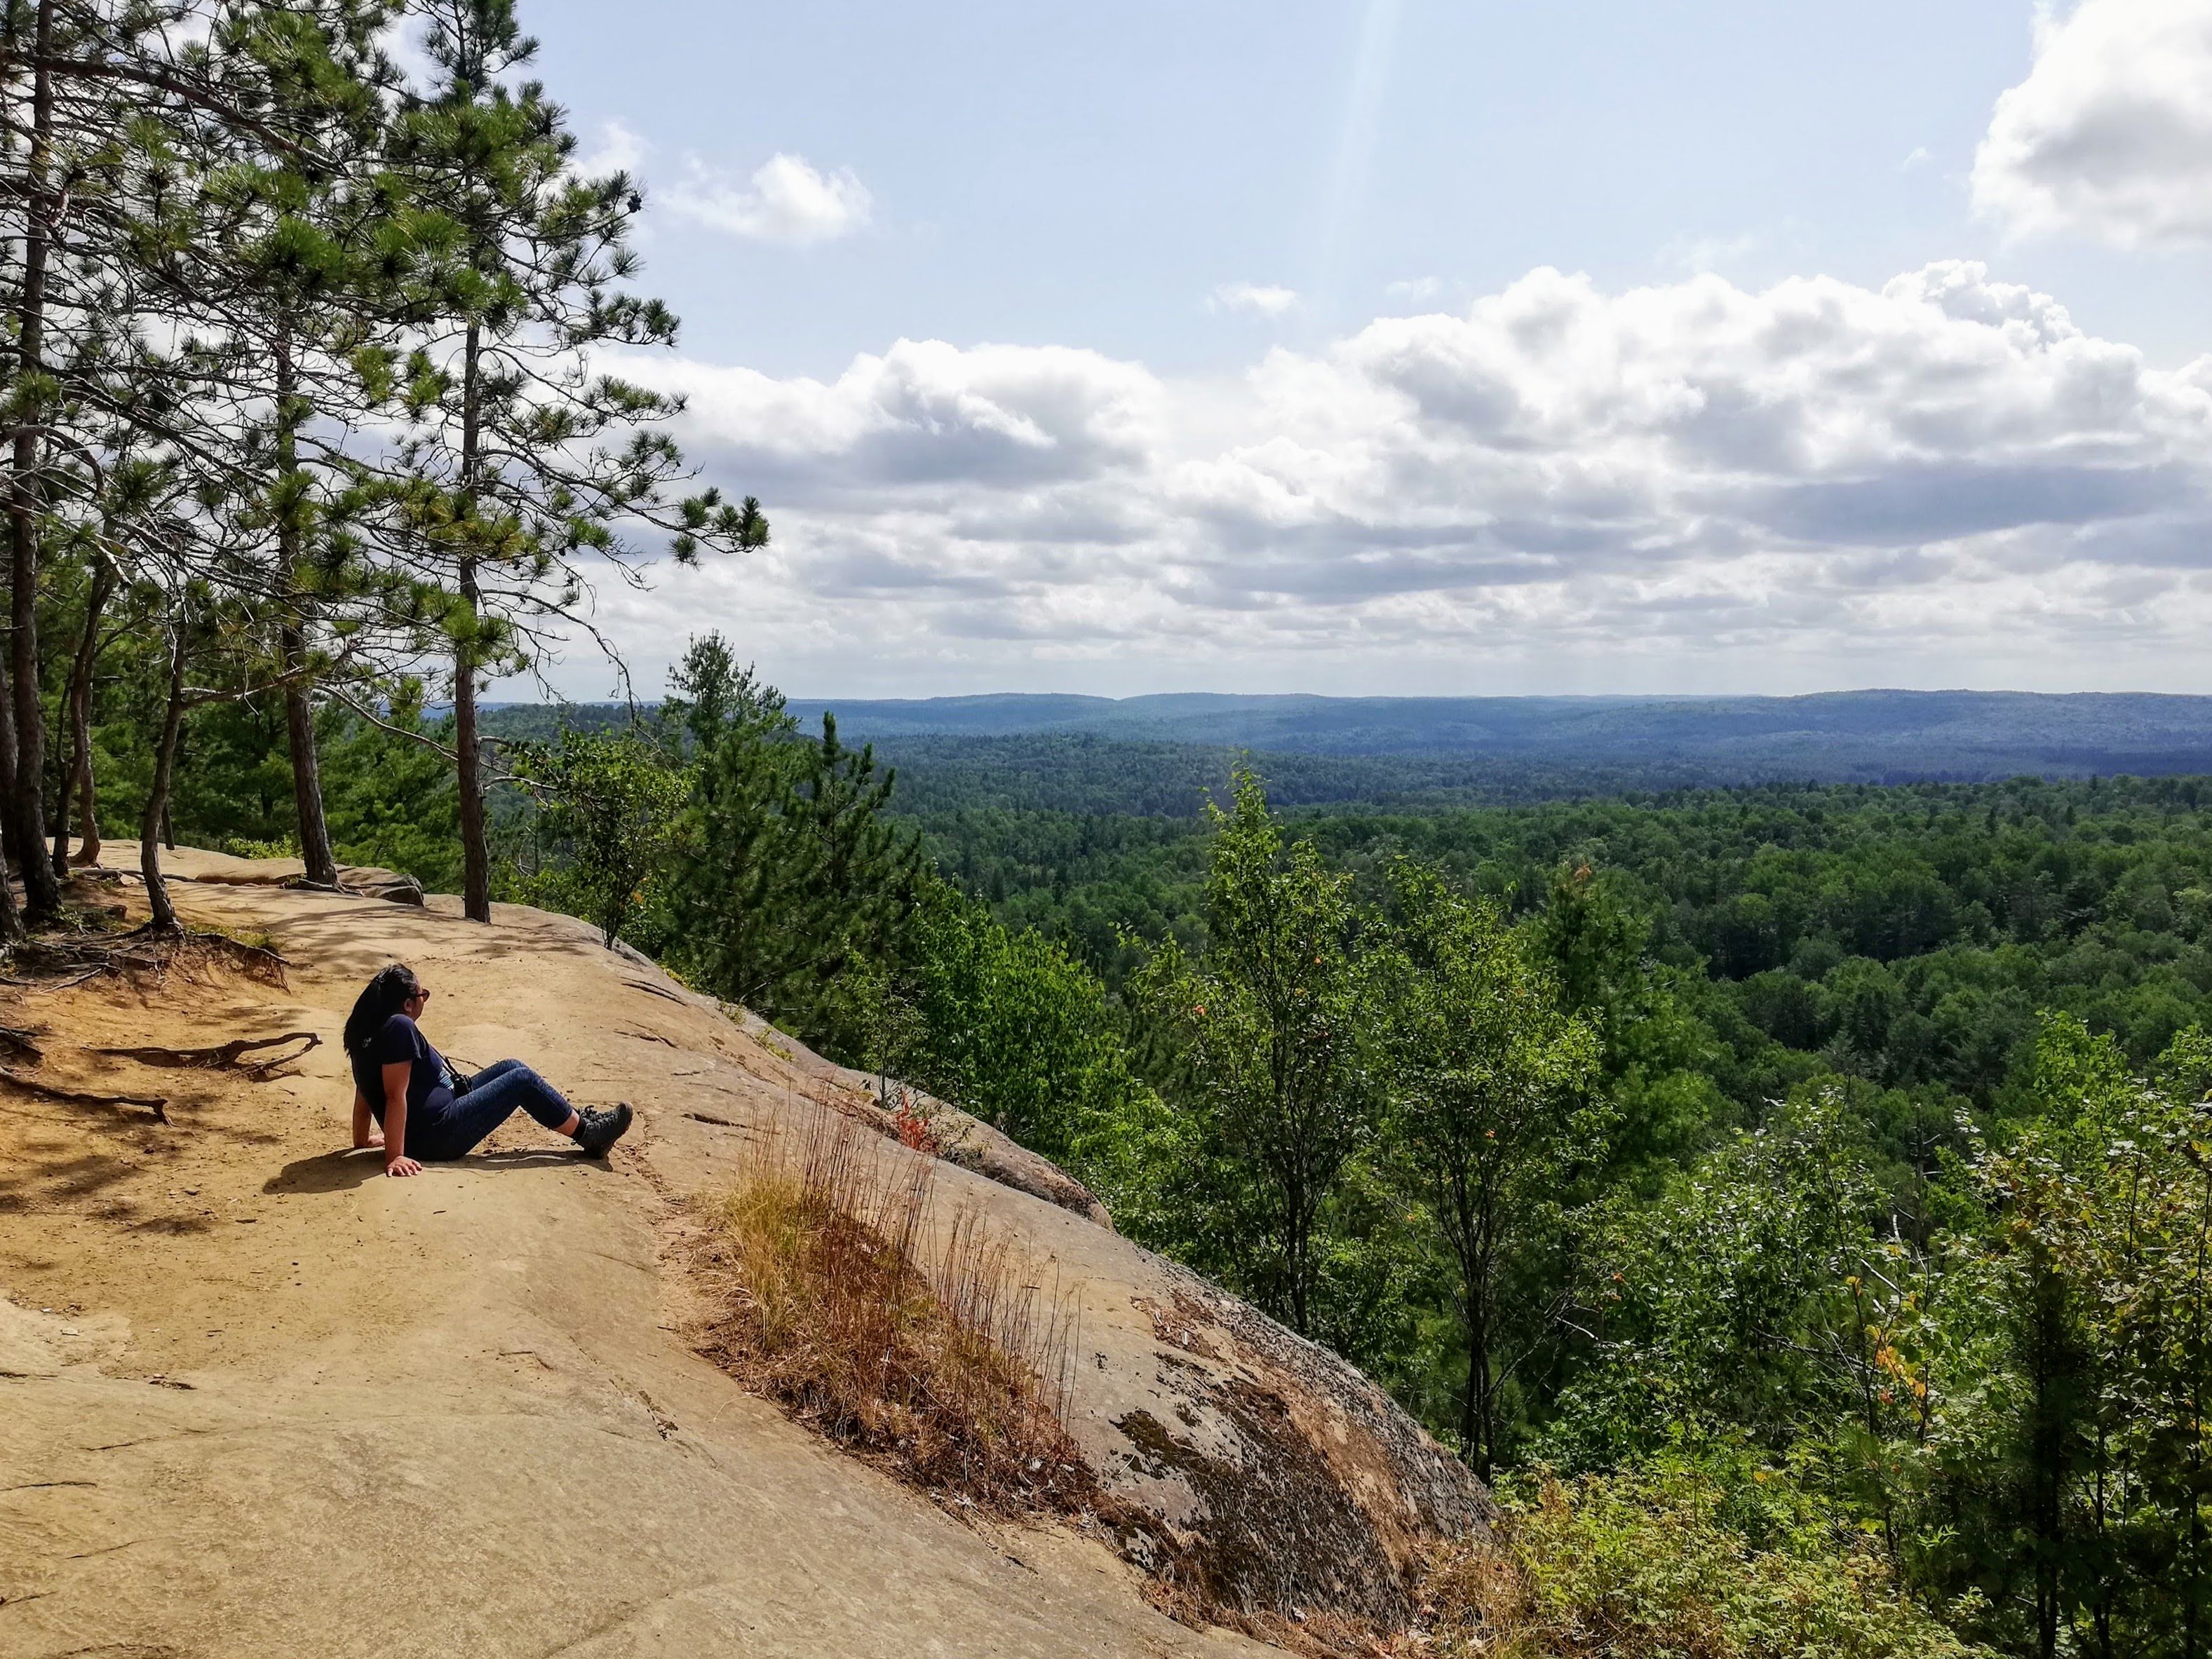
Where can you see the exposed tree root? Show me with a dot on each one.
(147, 952)
(54, 984)
(22, 1045)
(154, 1103)
(228, 1057)
(256, 960)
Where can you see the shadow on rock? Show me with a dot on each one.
(346, 1170)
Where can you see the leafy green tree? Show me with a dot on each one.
(1009, 1027)
(1270, 1034)
(390, 795)
(1724, 1554)
(1597, 944)
(1486, 1081)
(610, 803)
(2101, 1263)
(1755, 1296)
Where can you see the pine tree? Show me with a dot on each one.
(525, 456)
(789, 877)
(295, 278)
(127, 357)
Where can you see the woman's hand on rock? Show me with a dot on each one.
(402, 1166)
(375, 1138)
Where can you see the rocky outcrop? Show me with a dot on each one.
(245, 1379)
(1244, 1464)
(1286, 1481)
(371, 881)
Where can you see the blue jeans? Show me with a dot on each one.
(500, 1089)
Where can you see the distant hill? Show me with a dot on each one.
(1870, 736)
(1163, 754)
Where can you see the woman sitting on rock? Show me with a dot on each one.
(425, 1108)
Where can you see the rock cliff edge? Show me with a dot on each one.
(255, 1399)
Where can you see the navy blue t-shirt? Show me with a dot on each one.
(428, 1084)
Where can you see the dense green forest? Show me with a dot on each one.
(1906, 936)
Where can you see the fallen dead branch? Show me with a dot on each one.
(227, 1057)
(154, 1103)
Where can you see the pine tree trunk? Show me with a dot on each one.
(476, 851)
(12, 930)
(322, 868)
(77, 781)
(8, 768)
(11, 918)
(151, 826)
(60, 826)
(89, 845)
(41, 891)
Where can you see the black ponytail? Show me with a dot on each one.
(378, 1002)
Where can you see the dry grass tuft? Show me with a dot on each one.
(939, 1350)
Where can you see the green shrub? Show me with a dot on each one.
(1670, 1562)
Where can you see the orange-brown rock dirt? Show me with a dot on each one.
(258, 1398)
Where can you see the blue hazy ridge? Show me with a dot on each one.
(1844, 734)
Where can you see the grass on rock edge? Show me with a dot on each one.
(938, 1353)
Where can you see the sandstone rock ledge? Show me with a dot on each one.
(256, 1400)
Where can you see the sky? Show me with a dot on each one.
(1425, 347)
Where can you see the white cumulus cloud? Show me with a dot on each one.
(1260, 299)
(1551, 489)
(788, 200)
(617, 149)
(2111, 135)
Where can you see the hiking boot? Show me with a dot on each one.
(602, 1128)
